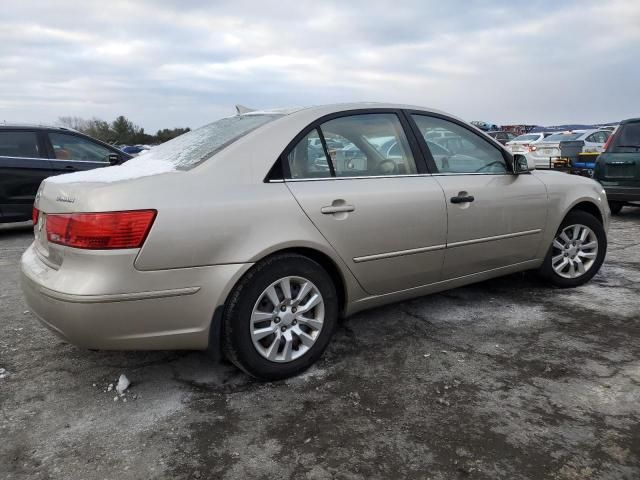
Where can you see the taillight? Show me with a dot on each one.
(532, 148)
(34, 215)
(100, 231)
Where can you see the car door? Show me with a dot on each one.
(383, 216)
(71, 152)
(23, 166)
(495, 218)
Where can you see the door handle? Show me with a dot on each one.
(337, 209)
(462, 198)
(69, 167)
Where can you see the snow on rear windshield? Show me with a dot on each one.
(191, 148)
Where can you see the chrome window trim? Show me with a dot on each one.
(78, 161)
(24, 158)
(387, 176)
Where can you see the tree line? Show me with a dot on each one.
(121, 131)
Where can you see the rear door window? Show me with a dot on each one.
(19, 144)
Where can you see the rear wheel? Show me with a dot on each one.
(577, 251)
(615, 207)
(280, 317)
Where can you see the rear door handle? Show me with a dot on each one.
(462, 199)
(337, 209)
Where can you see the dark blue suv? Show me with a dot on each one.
(29, 154)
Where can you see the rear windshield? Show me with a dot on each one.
(562, 137)
(628, 136)
(191, 148)
(524, 138)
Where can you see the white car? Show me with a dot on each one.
(523, 144)
(549, 149)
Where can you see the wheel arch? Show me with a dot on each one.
(326, 262)
(588, 207)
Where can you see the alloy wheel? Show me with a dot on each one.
(287, 319)
(574, 251)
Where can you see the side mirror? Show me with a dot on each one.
(520, 164)
(114, 159)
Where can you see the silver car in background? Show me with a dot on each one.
(253, 234)
(525, 143)
(548, 150)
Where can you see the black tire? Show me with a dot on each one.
(547, 272)
(236, 336)
(615, 207)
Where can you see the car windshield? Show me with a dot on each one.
(527, 137)
(562, 137)
(191, 148)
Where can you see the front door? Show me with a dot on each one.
(387, 222)
(72, 153)
(495, 218)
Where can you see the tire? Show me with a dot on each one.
(249, 299)
(551, 274)
(615, 207)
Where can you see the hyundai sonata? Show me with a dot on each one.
(254, 234)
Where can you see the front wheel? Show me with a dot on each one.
(577, 251)
(280, 317)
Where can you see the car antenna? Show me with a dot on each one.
(240, 109)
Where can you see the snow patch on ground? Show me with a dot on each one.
(135, 168)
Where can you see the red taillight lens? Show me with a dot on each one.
(100, 231)
(34, 215)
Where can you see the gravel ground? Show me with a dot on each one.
(505, 379)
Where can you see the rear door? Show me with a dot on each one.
(71, 152)
(383, 215)
(23, 166)
(495, 219)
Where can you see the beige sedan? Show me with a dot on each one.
(252, 235)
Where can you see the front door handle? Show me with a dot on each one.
(337, 209)
(462, 198)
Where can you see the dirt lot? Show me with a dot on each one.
(505, 379)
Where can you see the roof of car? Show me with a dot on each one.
(37, 126)
(339, 107)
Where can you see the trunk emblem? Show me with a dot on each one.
(64, 198)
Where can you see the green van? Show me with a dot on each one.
(618, 166)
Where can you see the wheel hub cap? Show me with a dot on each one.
(574, 251)
(287, 319)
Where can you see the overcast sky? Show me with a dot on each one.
(169, 63)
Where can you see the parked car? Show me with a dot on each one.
(618, 167)
(29, 154)
(231, 238)
(525, 143)
(502, 137)
(548, 150)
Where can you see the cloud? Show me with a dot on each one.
(165, 63)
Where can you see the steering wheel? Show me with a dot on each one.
(484, 167)
(387, 167)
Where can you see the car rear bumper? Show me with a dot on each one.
(169, 309)
(623, 194)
